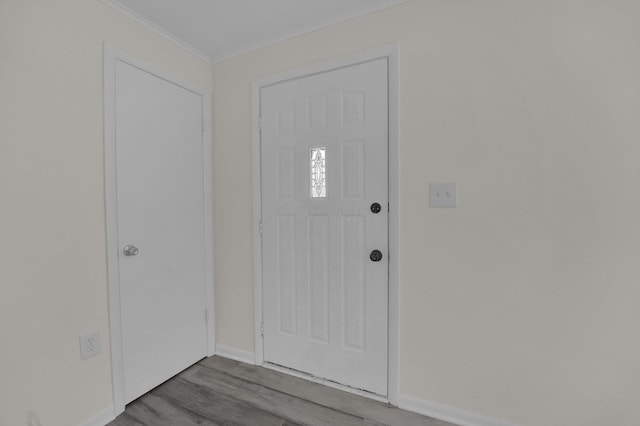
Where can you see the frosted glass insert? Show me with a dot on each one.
(318, 173)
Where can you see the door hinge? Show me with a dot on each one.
(260, 122)
(262, 328)
(202, 124)
(261, 227)
(206, 315)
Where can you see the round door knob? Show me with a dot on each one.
(130, 250)
(376, 256)
(375, 208)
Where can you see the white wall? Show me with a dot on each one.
(523, 304)
(53, 284)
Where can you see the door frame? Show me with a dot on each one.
(111, 55)
(390, 52)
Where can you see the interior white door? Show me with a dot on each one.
(160, 205)
(324, 144)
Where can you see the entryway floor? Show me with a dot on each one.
(219, 391)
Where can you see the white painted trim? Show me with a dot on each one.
(314, 26)
(100, 419)
(257, 220)
(236, 354)
(448, 414)
(207, 187)
(394, 226)
(111, 55)
(390, 52)
(115, 4)
(324, 382)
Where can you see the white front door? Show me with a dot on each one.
(324, 166)
(159, 156)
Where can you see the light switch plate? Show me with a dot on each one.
(443, 195)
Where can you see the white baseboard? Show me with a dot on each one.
(101, 418)
(448, 414)
(236, 354)
(426, 408)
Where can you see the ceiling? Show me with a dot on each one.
(218, 29)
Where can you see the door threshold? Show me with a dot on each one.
(325, 382)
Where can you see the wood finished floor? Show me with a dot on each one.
(219, 391)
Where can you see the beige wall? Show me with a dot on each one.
(53, 284)
(523, 304)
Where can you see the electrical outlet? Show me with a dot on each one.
(443, 195)
(89, 345)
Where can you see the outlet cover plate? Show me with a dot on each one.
(89, 345)
(443, 195)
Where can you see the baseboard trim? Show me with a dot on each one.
(100, 419)
(448, 414)
(236, 354)
(409, 403)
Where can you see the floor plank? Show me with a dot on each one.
(222, 392)
(353, 404)
(125, 419)
(155, 410)
(216, 406)
(278, 403)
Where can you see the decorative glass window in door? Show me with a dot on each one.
(318, 173)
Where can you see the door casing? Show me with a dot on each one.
(111, 55)
(391, 53)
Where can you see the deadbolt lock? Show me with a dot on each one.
(376, 256)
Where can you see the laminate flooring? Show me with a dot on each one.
(219, 391)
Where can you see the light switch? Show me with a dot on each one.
(443, 195)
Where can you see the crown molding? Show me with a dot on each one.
(314, 26)
(115, 4)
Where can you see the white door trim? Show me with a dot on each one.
(391, 53)
(111, 55)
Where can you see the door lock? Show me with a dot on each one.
(376, 208)
(376, 256)
(130, 250)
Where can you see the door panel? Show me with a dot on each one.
(324, 148)
(160, 211)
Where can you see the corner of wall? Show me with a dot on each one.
(100, 419)
(236, 354)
